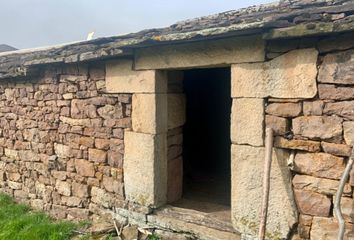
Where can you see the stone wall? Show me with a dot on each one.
(319, 133)
(62, 141)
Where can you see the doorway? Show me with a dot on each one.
(207, 146)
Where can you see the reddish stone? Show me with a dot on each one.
(312, 203)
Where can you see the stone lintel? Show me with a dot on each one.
(204, 53)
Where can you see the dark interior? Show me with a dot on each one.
(206, 149)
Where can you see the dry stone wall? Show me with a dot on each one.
(319, 132)
(61, 141)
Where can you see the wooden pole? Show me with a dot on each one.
(337, 208)
(266, 182)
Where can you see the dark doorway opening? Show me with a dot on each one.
(206, 136)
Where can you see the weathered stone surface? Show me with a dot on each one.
(112, 185)
(341, 42)
(327, 229)
(145, 168)
(306, 145)
(110, 112)
(101, 197)
(336, 149)
(312, 203)
(247, 119)
(247, 162)
(176, 110)
(304, 227)
(351, 179)
(318, 127)
(319, 185)
(279, 125)
(348, 128)
(130, 232)
(63, 188)
(314, 108)
(343, 109)
(337, 68)
(284, 109)
(205, 53)
(96, 155)
(80, 190)
(62, 151)
(319, 165)
(149, 113)
(347, 207)
(292, 75)
(84, 168)
(175, 179)
(121, 78)
(333, 92)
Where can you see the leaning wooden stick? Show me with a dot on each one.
(266, 182)
(337, 208)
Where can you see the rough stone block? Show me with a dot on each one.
(247, 119)
(333, 92)
(279, 125)
(247, 171)
(84, 168)
(312, 203)
(327, 229)
(310, 146)
(149, 113)
(337, 68)
(205, 53)
(343, 109)
(145, 168)
(318, 127)
(314, 108)
(348, 128)
(319, 185)
(176, 110)
(292, 75)
(336, 149)
(121, 78)
(347, 207)
(319, 165)
(284, 109)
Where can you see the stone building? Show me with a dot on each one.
(164, 128)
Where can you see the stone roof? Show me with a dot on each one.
(283, 19)
(6, 48)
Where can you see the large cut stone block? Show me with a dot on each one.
(121, 78)
(292, 75)
(247, 118)
(176, 110)
(247, 171)
(145, 168)
(149, 113)
(205, 53)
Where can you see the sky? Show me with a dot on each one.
(35, 23)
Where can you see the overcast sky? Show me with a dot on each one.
(34, 23)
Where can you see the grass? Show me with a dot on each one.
(18, 222)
